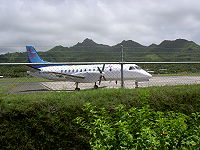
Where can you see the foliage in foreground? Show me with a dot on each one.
(45, 120)
(140, 128)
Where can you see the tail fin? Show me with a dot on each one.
(33, 57)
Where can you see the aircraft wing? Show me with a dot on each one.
(78, 77)
(67, 76)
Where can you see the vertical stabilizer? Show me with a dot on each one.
(33, 57)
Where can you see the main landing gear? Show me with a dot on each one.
(96, 86)
(136, 84)
(77, 88)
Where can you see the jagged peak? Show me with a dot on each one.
(129, 43)
(153, 45)
(87, 42)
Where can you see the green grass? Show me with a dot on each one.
(160, 98)
(45, 120)
(177, 74)
(6, 87)
(22, 79)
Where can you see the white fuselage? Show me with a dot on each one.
(91, 73)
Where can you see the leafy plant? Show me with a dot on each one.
(140, 128)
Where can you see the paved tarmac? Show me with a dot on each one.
(155, 81)
(70, 86)
(28, 88)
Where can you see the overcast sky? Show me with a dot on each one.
(47, 23)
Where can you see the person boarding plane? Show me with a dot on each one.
(84, 73)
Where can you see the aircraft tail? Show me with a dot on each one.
(33, 57)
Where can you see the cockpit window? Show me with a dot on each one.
(134, 67)
(131, 68)
(137, 67)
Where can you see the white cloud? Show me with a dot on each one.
(64, 22)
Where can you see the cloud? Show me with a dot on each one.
(48, 23)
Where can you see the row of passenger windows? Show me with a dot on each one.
(77, 70)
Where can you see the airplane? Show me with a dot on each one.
(84, 73)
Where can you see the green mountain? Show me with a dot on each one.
(177, 50)
(88, 50)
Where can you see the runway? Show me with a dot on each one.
(154, 81)
(130, 84)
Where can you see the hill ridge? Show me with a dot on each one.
(89, 50)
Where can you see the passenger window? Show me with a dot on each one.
(85, 70)
(93, 69)
(89, 69)
(73, 70)
(77, 70)
(81, 70)
(69, 70)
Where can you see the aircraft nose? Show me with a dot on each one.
(146, 75)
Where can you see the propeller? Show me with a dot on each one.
(101, 72)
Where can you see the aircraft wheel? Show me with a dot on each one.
(136, 85)
(77, 89)
(96, 87)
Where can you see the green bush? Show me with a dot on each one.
(40, 125)
(140, 128)
(45, 120)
